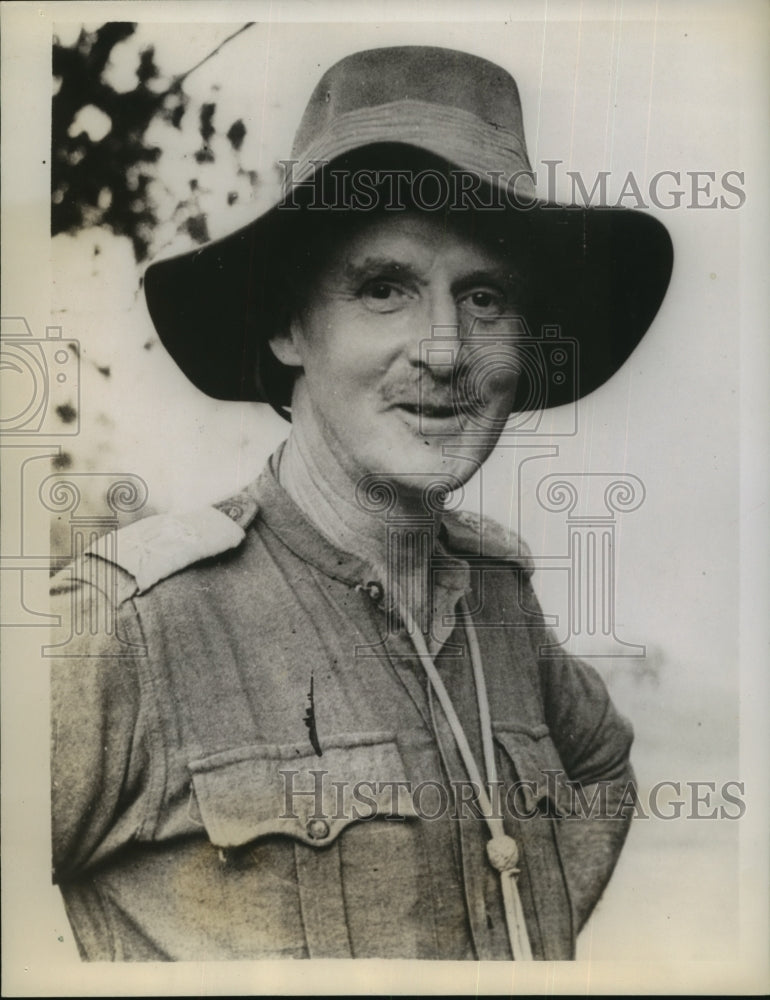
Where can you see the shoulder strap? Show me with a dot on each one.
(156, 547)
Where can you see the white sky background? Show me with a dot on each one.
(604, 86)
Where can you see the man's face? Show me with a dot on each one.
(406, 342)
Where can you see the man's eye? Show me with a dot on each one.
(383, 296)
(484, 302)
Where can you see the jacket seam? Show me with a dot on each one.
(158, 762)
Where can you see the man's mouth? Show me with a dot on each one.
(437, 410)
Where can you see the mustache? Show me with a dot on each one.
(470, 385)
(425, 390)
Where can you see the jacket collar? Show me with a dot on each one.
(284, 518)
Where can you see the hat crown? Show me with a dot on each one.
(427, 74)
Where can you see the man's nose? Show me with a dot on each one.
(444, 312)
(436, 343)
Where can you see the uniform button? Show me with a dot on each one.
(317, 829)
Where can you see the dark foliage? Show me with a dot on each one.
(106, 182)
(82, 169)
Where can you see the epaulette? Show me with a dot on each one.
(156, 547)
(474, 534)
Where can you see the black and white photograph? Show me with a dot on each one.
(384, 436)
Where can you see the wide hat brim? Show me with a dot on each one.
(603, 275)
(600, 273)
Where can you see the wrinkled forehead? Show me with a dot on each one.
(412, 238)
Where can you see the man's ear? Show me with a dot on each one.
(284, 345)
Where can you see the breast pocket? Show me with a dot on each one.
(535, 798)
(258, 791)
(327, 837)
(537, 780)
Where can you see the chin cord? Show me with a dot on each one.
(502, 850)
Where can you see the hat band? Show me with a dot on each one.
(452, 133)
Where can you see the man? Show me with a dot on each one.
(325, 723)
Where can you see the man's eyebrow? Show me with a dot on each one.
(506, 278)
(495, 272)
(359, 270)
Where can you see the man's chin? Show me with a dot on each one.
(427, 475)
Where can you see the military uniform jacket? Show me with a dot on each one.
(248, 762)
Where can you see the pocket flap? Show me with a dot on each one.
(262, 790)
(538, 767)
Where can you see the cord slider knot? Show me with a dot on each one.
(503, 853)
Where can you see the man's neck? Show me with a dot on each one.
(327, 495)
